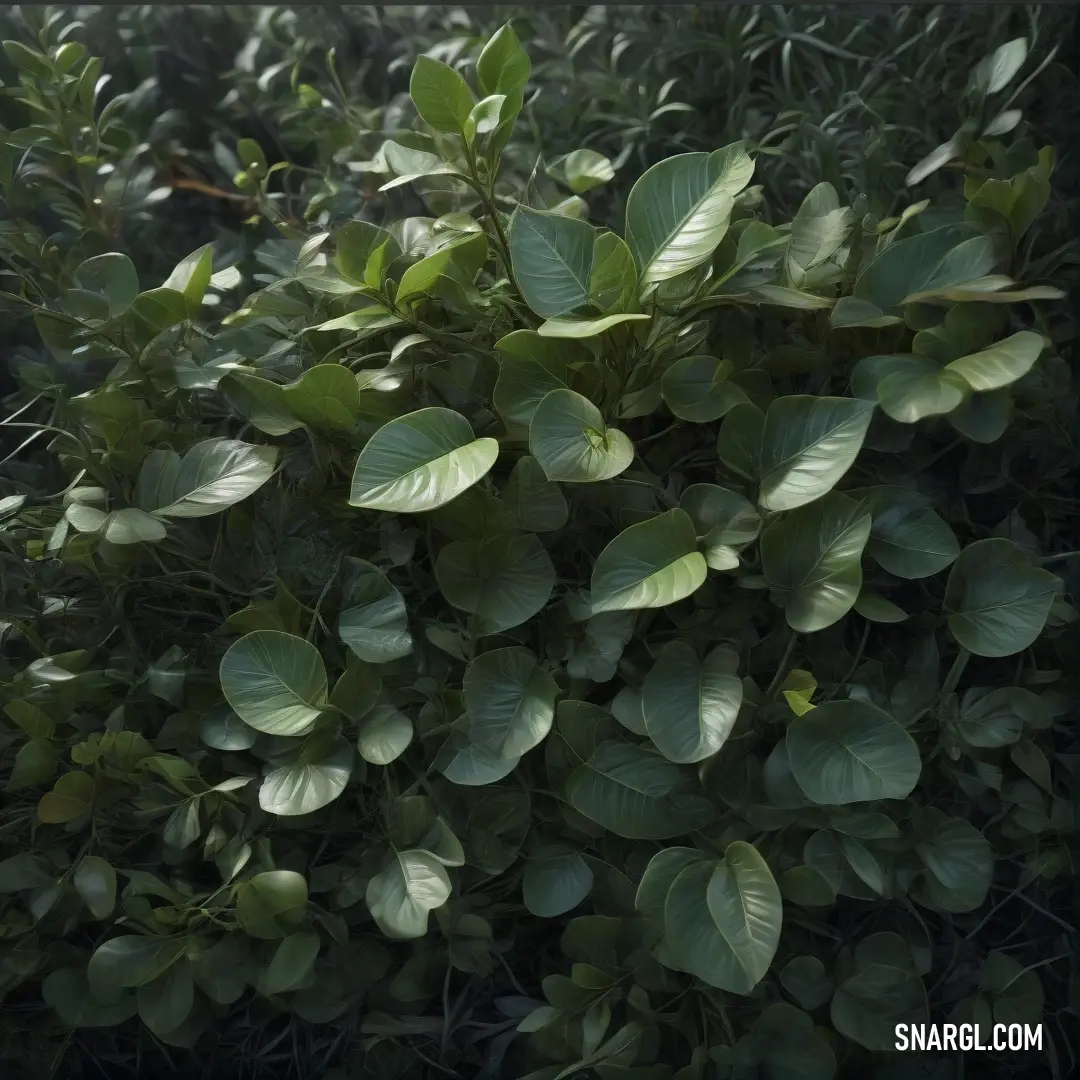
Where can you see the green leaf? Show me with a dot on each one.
(999, 364)
(724, 521)
(326, 398)
(586, 169)
(807, 445)
(805, 979)
(906, 537)
(183, 827)
(678, 211)
(401, 895)
(957, 857)
(552, 257)
(271, 904)
(224, 730)
(510, 702)
(441, 96)
(409, 164)
(67, 992)
(131, 526)
(664, 867)
(876, 608)
(691, 705)
(375, 625)
(994, 72)
(485, 117)
(503, 65)
(420, 278)
(292, 965)
(636, 794)
(95, 882)
(568, 437)
(536, 503)
(530, 368)
(72, 796)
(191, 277)
(35, 764)
(851, 751)
(306, 786)
(504, 580)
(133, 960)
(165, 1003)
(909, 387)
(819, 228)
(996, 717)
(983, 418)
(738, 446)
(555, 881)
(869, 1004)
(918, 266)
(649, 565)
(471, 766)
(221, 972)
(581, 329)
(722, 919)
(212, 476)
(112, 276)
(384, 735)
(275, 682)
(997, 601)
(613, 275)
(696, 389)
(811, 559)
(356, 243)
(419, 462)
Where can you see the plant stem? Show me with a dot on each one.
(957, 669)
(781, 670)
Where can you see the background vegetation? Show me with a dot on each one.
(318, 764)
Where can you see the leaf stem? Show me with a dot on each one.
(781, 671)
(957, 669)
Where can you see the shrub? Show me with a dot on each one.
(505, 646)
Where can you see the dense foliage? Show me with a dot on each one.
(495, 585)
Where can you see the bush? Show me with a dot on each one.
(446, 636)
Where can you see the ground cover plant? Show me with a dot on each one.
(477, 616)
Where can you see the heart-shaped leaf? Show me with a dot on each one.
(691, 705)
(568, 437)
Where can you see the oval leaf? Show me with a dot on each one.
(275, 682)
(996, 600)
(510, 701)
(807, 444)
(691, 705)
(649, 565)
(851, 751)
(419, 462)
